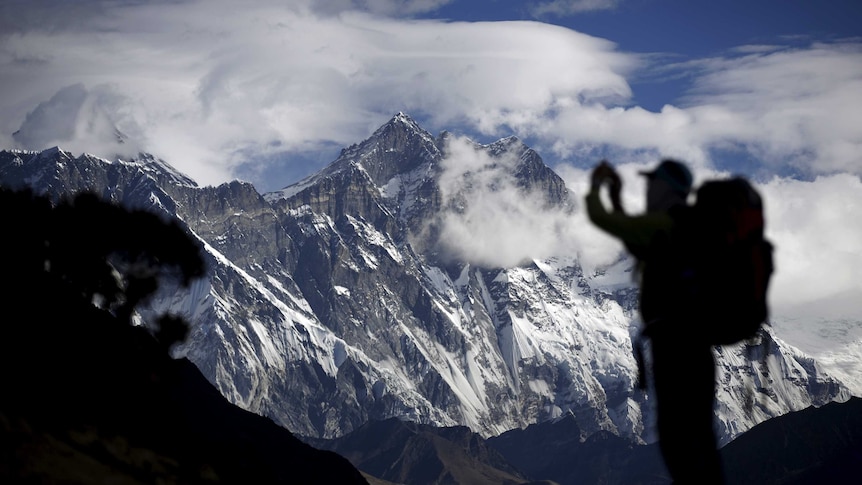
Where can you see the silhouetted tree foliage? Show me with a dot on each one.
(85, 397)
(75, 272)
(109, 255)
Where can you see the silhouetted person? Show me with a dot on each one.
(683, 369)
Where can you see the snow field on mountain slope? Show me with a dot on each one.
(834, 342)
(295, 337)
(374, 237)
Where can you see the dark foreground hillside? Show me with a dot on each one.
(812, 446)
(808, 447)
(87, 398)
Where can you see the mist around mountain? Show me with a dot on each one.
(419, 278)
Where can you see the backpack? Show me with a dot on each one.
(723, 261)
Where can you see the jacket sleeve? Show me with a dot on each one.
(634, 231)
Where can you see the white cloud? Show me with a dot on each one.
(798, 106)
(571, 7)
(816, 231)
(261, 77)
(493, 222)
(791, 110)
(82, 119)
(593, 247)
(209, 84)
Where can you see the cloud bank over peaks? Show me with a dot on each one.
(774, 109)
(81, 120)
(216, 85)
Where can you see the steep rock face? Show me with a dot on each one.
(235, 220)
(383, 154)
(327, 304)
(390, 174)
(760, 379)
(462, 333)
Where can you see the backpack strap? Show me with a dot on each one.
(638, 344)
(638, 347)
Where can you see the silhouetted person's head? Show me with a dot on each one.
(668, 185)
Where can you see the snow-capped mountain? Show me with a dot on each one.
(341, 298)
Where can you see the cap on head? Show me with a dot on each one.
(674, 173)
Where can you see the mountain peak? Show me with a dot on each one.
(398, 146)
(153, 165)
(54, 152)
(402, 117)
(401, 121)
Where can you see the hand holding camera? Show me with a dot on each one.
(604, 173)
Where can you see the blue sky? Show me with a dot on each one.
(679, 30)
(270, 90)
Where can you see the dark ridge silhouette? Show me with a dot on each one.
(417, 454)
(807, 447)
(87, 397)
(554, 450)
